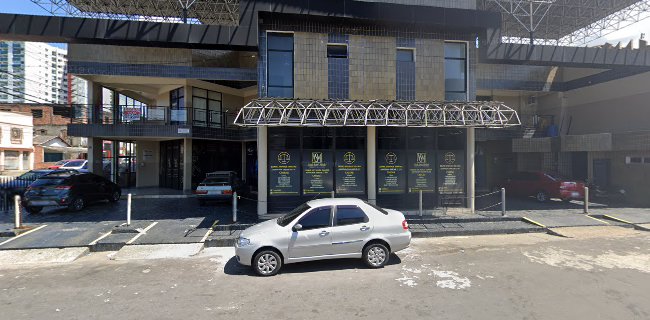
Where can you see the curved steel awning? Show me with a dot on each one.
(334, 113)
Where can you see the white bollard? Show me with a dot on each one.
(333, 195)
(17, 222)
(503, 201)
(128, 209)
(234, 206)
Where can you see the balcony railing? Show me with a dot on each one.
(157, 115)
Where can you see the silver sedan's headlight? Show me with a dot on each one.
(242, 242)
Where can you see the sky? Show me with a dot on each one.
(624, 35)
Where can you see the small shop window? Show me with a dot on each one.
(405, 55)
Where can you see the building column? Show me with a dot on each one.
(20, 160)
(471, 173)
(94, 98)
(31, 160)
(262, 174)
(371, 163)
(95, 155)
(2, 160)
(187, 164)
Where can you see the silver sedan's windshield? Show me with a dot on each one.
(287, 218)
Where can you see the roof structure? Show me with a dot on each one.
(564, 22)
(333, 113)
(219, 12)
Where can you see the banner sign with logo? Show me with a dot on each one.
(391, 177)
(317, 176)
(284, 178)
(420, 171)
(451, 172)
(350, 171)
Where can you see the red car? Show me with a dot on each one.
(544, 186)
(58, 164)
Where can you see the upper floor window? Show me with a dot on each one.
(207, 107)
(337, 50)
(280, 65)
(455, 71)
(405, 55)
(16, 135)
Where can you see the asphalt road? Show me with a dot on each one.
(599, 273)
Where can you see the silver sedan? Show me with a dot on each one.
(324, 229)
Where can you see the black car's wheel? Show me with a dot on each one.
(541, 196)
(77, 204)
(267, 263)
(115, 196)
(34, 210)
(375, 255)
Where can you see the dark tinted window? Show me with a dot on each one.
(337, 51)
(317, 218)
(44, 182)
(280, 65)
(346, 215)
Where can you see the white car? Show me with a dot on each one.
(79, 164)
(324, 229)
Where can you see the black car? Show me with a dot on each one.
(69, 189)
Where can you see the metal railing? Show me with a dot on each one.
(11, 186)
(161, 115)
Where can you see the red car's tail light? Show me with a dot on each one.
(200, 192)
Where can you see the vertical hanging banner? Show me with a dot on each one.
(421, 175)
(451, 172)
(317, 175)
(350, 171)
(284, 178)
(391, 177)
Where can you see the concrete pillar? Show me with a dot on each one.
(262, 174)
(31, 160)
(20, 160)
(2, 160)
(187, 164)
(371, 165)
(94, 99)
(95, 153)
(471, 173)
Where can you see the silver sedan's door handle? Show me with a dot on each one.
(324, 233)
(365, 228)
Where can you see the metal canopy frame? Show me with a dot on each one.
(334, 113)
(564, 22)
(219, 12)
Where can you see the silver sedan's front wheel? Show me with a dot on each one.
(267, 263)
(376, 255)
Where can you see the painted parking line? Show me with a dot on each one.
(94, 242)
(141, 233)
(599, 220)
(23, 234)
(617, 219)
(533, 222)
(207, 234)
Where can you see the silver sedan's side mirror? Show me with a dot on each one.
(297, 227)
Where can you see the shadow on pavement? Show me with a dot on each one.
(232, 267)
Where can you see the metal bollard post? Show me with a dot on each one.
(17, 222)
(586, 200)
(333, 195)
(420, 202)
(128, 209)
(234, 207)
(503, 201)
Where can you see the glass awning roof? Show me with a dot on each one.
(335, 113)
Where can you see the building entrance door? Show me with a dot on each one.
(601, 172)
(171, 164)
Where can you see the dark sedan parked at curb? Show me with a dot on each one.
(73, 190)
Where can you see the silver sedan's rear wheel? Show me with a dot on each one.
(376, 255)
(267, 263)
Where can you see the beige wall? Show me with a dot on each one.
(430, 69)
(372, 68)
(310, 65)
(148, 169)
(633, 178)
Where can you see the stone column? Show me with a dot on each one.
(471, 174)
(20, 160)
(187, 164)
(95, 153)
(371, 165)
(262, 174)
